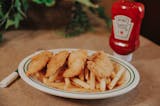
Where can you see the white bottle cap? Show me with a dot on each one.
(127, 58)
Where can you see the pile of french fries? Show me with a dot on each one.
(86, 81)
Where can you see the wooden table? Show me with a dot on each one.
(19, 44)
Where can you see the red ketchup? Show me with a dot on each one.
(126, 18)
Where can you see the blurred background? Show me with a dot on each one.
(43, 16)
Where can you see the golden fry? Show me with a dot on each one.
(113, 74)
(116, 67)
(116, 78)
(92, 80)
(108, 81)
(103, 84)
(59, 85)
(122, 79)
(80, 83)
(86, 73)
(53, 77)
(39, 76)
(67, 83)
(97, 85)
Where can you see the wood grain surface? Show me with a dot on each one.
(19, 44)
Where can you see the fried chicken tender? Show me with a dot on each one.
(100, 64)
(56, 63)
(38, 62)
(76, 63)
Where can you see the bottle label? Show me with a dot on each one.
(122, 27)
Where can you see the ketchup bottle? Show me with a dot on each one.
(126, 18)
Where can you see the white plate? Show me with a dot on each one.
(131, 82)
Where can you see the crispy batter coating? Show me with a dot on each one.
(76, 71)
(76, 63)
(56, 63)
(38, 62)
(100, 64)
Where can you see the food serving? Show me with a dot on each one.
(76, 71)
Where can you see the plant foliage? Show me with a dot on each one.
(46, 2)
(79, 22)
(12, 12)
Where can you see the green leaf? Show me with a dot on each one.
(17, 19)
(9, 23)
(1, 12)
(79, 22)
(25, 4)
(38, 1)
(50, 2)
(101, 14)
(18, 6)
(17, 3)
(14, 22)
(46, 2)
(12, 13)
(87, 3)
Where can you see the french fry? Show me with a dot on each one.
(116, 67)
(39, 76)
(53, 77)
(67, 83)
(103, 84)
(45, 81)
(122, 79)
(75, 84)
(97, 85)
(59, 85)
(92, 80)
(108, 81)
(88, 81)
(80, 83)
(113, 74)
(116, 78)
(86, 73)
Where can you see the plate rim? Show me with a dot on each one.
(78, 95)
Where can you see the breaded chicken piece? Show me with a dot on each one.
(56, 62)
(38, 62)
(76, 63)
(100, 64)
